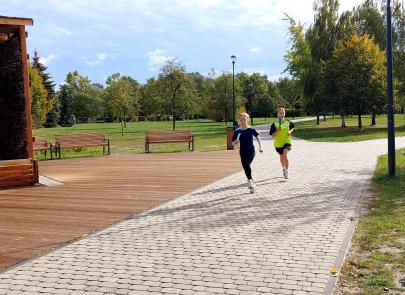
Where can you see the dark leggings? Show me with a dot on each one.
(246, 161)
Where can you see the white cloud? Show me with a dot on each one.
(98, 60)
(250, 71)
(55, 30)
(255, 49)
(276, 77)
(157, 58)
(47, 60)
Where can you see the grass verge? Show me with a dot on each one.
(376, 262)
(330, 129)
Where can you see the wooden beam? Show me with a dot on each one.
(30, 148)
(5, 20)
(3, 36)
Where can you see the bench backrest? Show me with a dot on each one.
(18, 173)
(80, 139)
(180, 135)
(40, 142)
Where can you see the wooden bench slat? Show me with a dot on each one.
(177, 136)
(81, 140)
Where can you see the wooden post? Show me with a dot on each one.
(26, 84)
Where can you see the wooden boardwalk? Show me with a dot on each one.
(96, 193)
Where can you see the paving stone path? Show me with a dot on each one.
(284, 239)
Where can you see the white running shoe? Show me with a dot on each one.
(250, 183)
(286, 173)
(251, 186)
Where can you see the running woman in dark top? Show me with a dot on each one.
(244, 134)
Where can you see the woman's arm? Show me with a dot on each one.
(260, 143)
(291, 128)
(235, 137)
(273, 130)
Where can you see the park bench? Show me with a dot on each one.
(15, 173)
(41, 144)
(80, 140)
(159, 137)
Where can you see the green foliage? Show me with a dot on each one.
(299, 58)
(83, 97)
(52, 115)
(40, 105)
(219, 101)
(354, 79)
(122, 96)
(178, 97)
(290, 93)
(65, 102)
(149, 99)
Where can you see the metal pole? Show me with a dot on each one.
(390, 95)
(233, 96)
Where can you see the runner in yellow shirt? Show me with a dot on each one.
(281, 131)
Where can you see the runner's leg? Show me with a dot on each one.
(246, 161)
(285, 156)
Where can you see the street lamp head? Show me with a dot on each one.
(233, 58)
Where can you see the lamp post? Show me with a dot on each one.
(234, 124)
(390, 95)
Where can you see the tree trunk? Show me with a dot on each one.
(324, 117)
(333, 116)
(251, 120)
(174, 120)
(317, 120)
(373, 119)
(360, 122)
(343, 121)
(122, 128)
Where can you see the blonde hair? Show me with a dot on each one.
(245, 115)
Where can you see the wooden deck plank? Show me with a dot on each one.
(96, 193)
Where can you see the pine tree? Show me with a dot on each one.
(65, 101)
(52, 115)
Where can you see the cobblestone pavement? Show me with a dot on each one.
(220, 239)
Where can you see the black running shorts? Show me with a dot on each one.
(281, 149)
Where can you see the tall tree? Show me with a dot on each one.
(290, 94)
(65, 103)
(355, 77)
(149, 99)
(52, 115)
(219, 102)
(85, 98)
(298, 58)
(122, 97)
(200, 87)
(176, 88)
(40, 105)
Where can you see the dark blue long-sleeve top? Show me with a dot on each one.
(245, 137)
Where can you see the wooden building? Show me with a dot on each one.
(17, 166)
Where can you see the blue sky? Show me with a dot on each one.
(135, 37)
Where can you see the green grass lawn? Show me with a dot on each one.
(330, 129)
(208, 135)
(377, 259)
